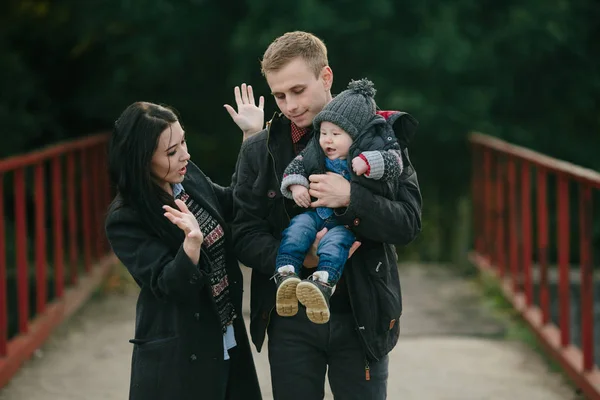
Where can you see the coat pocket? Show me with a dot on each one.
(387, 301)
(146, 344)
(151, 366)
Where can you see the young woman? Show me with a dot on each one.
(168, 226)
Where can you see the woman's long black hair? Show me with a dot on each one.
(135, 138)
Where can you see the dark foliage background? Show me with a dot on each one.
(525, 71)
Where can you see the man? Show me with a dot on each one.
(366, 305)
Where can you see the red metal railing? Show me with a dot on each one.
(67, 194)
(504, 240)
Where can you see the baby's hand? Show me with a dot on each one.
(300, 195)
(359, 166)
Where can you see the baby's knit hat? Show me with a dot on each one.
(352, 109)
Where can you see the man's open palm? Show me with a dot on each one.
(249, 117)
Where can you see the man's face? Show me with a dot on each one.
(300, 95)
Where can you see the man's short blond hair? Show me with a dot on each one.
(292, 45)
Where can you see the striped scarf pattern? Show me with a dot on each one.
(214, 248)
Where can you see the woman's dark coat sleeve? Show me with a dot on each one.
(148, 259)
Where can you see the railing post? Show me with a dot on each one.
(500, 217)
(563, 258)
(72, 215)
(3, 297)
(57, 217)
(84, 168)
(475, 200)
(488, 206)
(526, 230)
(40, 239)
(21, 250)
(96, 201)
(107, 196)
(542, 235)
(587, 276)
(513, 244)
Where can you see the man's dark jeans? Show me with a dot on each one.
(300, 352)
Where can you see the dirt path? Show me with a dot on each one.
(449, 349)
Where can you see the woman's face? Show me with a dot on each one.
(170, 158)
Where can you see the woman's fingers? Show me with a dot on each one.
(182, 206)
(191, 232)
(175, 220)
(170, 216)
(182, 220)
(173, 211)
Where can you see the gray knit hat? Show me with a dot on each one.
(352, 109)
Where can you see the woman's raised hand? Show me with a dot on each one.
(186, 221)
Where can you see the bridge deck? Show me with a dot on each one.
(451, 347)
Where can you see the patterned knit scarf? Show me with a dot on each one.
(214, 246)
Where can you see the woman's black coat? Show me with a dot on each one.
(178, 344)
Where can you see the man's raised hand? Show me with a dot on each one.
(249, 117)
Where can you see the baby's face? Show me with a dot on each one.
(334, 141)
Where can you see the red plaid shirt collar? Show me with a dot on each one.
(297, 133)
